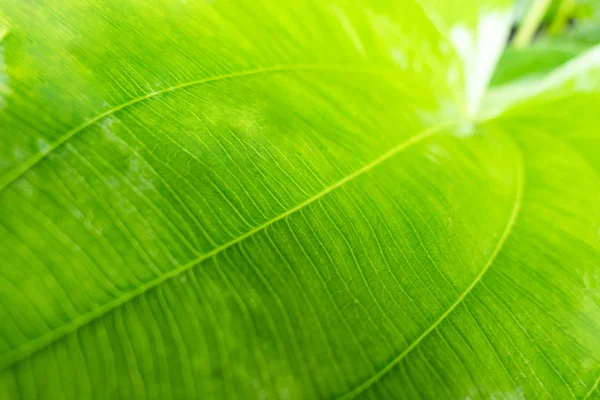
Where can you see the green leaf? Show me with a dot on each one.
(568, 28)
(227, 199)
(544, 55)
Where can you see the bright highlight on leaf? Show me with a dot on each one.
(296, 200)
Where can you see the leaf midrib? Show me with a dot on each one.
(48, 338)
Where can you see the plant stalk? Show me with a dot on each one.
(565, 11)
(532, 21)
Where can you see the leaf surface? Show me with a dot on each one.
(263, 200)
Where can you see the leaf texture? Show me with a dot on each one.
(301, 199)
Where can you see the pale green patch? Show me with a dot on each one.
(479, 50)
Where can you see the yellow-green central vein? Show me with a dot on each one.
(53, 335)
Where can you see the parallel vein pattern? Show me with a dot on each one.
(38, 343)
(509, 226)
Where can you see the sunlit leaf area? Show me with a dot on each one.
(299, 199)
